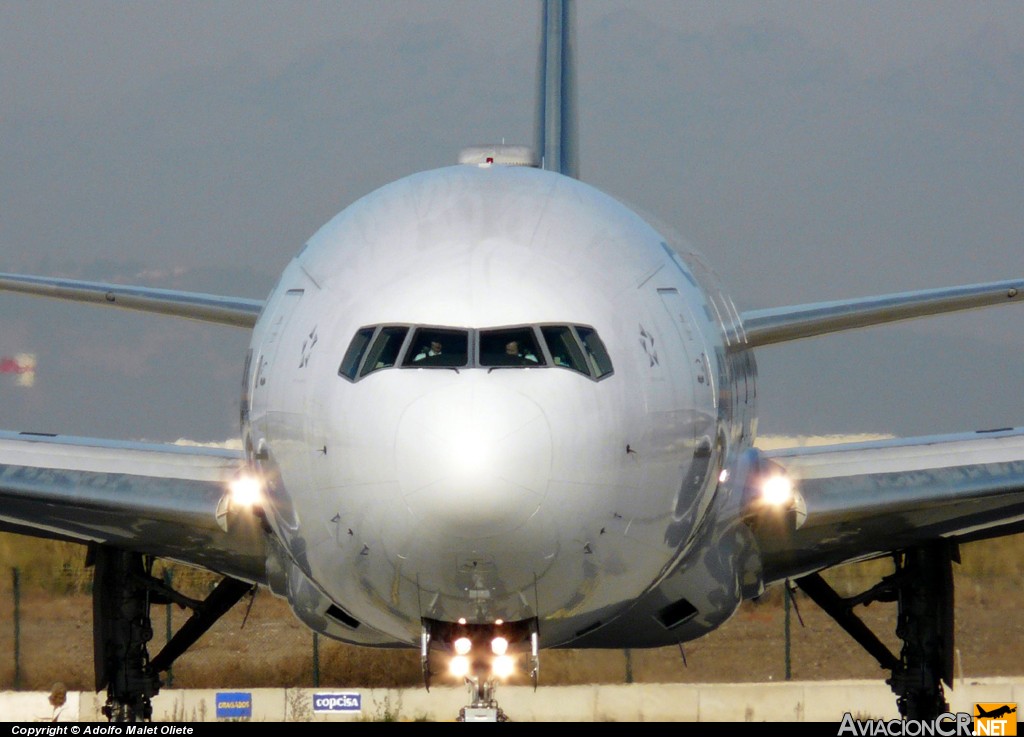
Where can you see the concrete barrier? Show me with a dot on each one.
(795, 701)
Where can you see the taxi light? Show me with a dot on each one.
(503, 666)
(459, 666)
(463, 646)
(777, 491)
(245, 490)
(499, 646)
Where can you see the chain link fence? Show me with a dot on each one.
(46, 633)
(46, 637)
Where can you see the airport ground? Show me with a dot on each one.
(264, 645)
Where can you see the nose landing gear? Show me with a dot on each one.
(483, 707)
(481, 655)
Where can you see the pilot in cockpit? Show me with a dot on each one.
(433, 350)
(513, 353)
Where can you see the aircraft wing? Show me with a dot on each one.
(195, 306)
(781, 324)
(865, 499)
(163, 500)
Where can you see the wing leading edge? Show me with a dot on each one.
(781, 324)
(161, 500)
(232, 311)
(867, 499)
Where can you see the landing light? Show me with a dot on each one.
(463, 645)
(777, 491)
(503, 666)
(245, 490)
(459, 666)
(499, 646)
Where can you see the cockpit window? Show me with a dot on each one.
(510, 347)
(438, 347)
(597, 356)
(575, 347)
(385, 349)
(354, 354)
(564, 348)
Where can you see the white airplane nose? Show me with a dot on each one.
(473, 458)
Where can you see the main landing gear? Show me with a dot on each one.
(124, 588)
(922, 587)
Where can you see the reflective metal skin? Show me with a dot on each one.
(488, 494)
(491, 510)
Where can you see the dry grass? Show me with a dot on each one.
(272, 648)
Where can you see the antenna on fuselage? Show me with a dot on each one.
(556, 90)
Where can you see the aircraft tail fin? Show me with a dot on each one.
(556, 90)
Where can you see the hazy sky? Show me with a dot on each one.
(811, 150)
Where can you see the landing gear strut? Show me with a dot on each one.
(482, 655)
(922, 587)
(121, 629)
(124, 588)
(925, 626)
(483, 706)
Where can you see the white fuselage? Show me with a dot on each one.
(489, 494)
